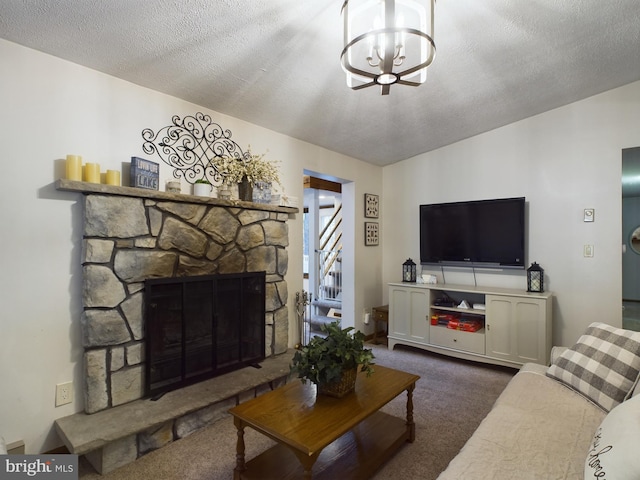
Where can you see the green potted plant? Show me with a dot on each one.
(202, 187)
(332, 362)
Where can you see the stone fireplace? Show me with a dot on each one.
(132, 235)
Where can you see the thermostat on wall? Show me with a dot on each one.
(589, 214)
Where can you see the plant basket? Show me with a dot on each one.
(342, 387)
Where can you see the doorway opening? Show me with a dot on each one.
(323, 251)
(631, 238)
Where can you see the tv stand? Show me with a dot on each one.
(515, 325)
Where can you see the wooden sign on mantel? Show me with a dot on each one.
(145, 174)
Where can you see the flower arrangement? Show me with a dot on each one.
(254, 167)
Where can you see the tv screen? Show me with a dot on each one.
(482, 233)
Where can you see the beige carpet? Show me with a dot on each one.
(450, 399)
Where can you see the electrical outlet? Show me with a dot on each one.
(64, 393)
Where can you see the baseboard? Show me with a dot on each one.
(16, 448)
(58, 451)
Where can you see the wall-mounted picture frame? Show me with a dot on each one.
(371, 205)
(371, 234)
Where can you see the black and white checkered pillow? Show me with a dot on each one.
(603, 366)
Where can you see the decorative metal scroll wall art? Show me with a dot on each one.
(193, 146)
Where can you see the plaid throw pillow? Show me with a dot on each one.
(602, 366)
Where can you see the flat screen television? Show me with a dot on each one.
(482, 233)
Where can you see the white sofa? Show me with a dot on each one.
(552, 423)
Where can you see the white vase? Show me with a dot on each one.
(202, 189)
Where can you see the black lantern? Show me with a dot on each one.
(409, 271)
(535, 278)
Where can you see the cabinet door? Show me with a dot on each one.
(408, 310)
(516, 329)
(419, 315)
(399, 312)
(531, 330)
(499, 327)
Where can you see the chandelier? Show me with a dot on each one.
(387, 42)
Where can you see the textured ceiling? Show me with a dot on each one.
(275, 63)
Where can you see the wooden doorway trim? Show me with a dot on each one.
(321, 184)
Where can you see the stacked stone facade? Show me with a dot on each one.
(127, 240)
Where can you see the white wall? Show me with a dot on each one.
(51, 108)
(562, 161)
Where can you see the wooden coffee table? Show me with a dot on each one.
(325, 437)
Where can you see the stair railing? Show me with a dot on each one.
(329, 274)
(328, 258)
(330, 229)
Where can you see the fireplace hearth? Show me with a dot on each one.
(199, 327)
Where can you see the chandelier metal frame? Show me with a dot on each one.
(387, 45)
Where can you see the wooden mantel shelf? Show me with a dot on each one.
(86, 188)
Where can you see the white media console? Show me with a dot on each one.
(516, 325)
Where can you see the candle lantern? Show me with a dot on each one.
(409, 271)
(535, 278)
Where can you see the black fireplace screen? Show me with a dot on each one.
(200, 327)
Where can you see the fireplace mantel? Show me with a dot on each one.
(86, 187)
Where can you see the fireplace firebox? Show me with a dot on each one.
(202, 326)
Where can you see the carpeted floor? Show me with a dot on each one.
(450, 400)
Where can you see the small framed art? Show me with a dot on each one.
(371, 234)
(371, 205)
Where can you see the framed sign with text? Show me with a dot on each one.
(145, 174)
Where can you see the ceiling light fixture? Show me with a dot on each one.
(387, 42)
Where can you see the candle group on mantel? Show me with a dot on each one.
(90, 172)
